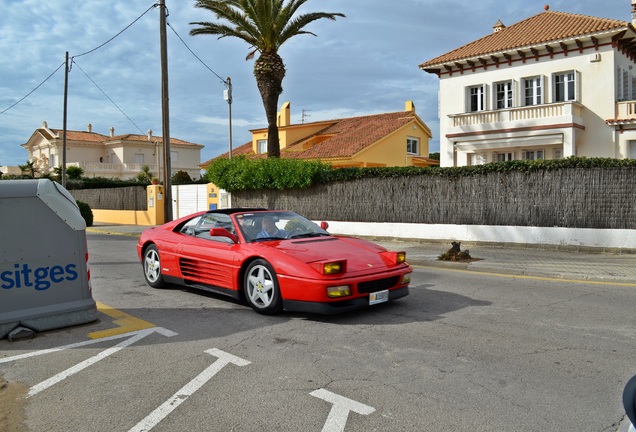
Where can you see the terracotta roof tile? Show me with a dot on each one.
(80, 135)
(548, 26)
(347, 137)
(95, 137)
(340, 139)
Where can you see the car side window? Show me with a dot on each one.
(214, 220)
(189, 227)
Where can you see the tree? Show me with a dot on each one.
(74, 172)
(29, 169)
(265, 25)
(145, 176)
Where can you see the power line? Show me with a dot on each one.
(108, 97)
(197, 57)
(125, 28)
(80, 55)
(39, 85)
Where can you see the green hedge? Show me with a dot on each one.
(86, 212)
(240, 173)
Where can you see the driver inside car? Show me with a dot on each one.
(270, 229)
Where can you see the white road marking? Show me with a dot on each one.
(132, 338)
(189, 389)
(159, 330)
(337, 419)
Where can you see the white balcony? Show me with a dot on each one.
(626, 110)
(569, 112)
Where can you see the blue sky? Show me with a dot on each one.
(363, 64)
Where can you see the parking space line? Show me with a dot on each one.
(126, 323)
(189, 389)
(337, 419)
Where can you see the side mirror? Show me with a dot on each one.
(324, 225)
(222, 232)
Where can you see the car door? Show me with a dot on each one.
(205, 259)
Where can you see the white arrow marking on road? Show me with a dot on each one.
(91, 361)
(189, 389)
(337, 419)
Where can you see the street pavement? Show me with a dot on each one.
(563, 262)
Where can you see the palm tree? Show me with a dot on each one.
(29, 169)
(265, 25)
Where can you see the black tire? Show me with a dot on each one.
(261, 289)
(152, 267)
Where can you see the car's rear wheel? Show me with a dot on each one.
(152, 267)
(261, 288)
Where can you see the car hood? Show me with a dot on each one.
(360, 255)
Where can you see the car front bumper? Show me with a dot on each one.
(335, 307)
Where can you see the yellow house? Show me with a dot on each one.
(378, 140)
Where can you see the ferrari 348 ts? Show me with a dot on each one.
(273, 260)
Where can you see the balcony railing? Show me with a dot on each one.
(626, 110)
(516, 114)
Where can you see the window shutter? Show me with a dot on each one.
(486, 98)
(577, 86)
(515, 94)
(544, 92)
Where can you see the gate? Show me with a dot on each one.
(188, 199)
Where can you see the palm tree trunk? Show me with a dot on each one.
(269, 71)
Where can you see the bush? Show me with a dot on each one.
(241, 173)
(86, 212)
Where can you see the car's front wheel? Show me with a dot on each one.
(261, 288)
(152, 267)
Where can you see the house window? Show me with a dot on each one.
(564, 86)
(174, 156)
(52, 161)
(477, 98)
(412, 146)
(477, 159)
(533, 155)
(139, 158)
(503, 157)
(503, 95)
(261, 146)
(533, 91)
(557, 154)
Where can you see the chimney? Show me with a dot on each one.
(499, 26)
(89, 128)
(112, 131)
(149, 134)
(284, 117)
(44, 125)
(409, 106)
(633, 12)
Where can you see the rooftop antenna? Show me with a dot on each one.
(304, 115)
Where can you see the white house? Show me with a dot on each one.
(553, 85)
(114, 156)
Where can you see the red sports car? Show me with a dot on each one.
(274, 260)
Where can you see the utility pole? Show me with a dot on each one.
(64, 122)
(227, 94)
(165, 111)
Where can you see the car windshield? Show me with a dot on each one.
(276, 225)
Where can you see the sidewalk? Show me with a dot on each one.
(565, 263)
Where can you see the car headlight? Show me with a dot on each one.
(338, 291)
(331, 268)
(406, 279)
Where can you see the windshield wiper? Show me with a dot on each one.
(267, 238)
(307, 235)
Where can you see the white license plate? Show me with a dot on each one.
(379, 297)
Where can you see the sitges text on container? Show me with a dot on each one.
(41, 278)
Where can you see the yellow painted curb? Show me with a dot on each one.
(127, 323)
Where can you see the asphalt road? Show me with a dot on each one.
(464, 351)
